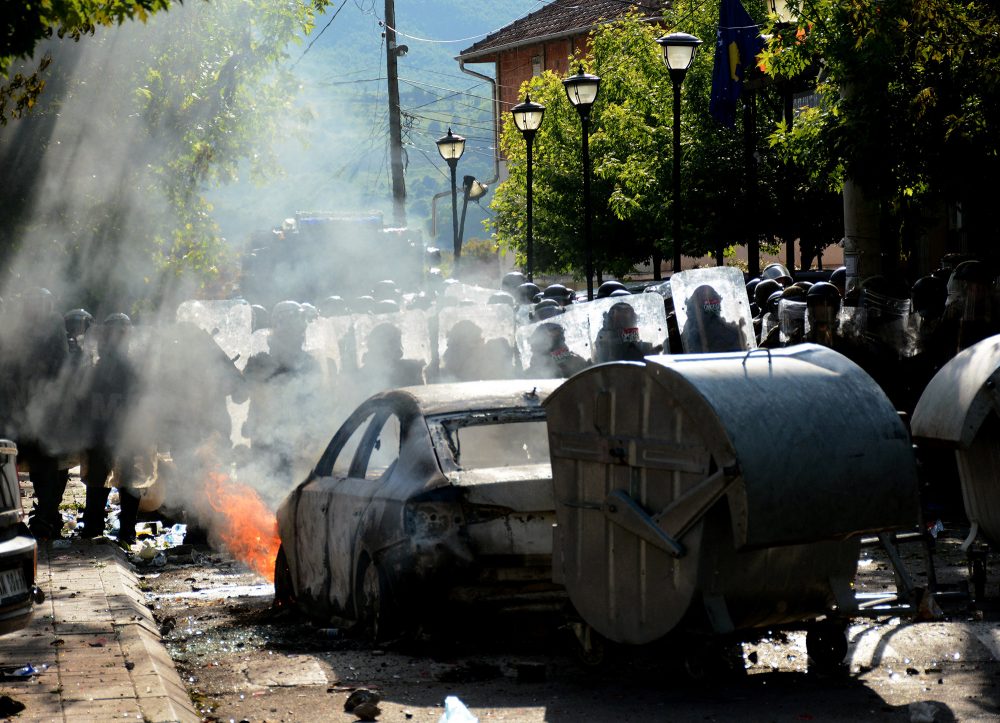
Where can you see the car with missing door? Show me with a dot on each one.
(426, 498)
(18, 552)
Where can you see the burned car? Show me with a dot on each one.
(17, 549)
(426, 499)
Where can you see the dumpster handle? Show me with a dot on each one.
(758, 349)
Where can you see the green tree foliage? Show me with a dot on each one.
(631, 147)
(141, 121)
(28, 23)
(910, 105)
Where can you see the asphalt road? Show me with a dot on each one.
(242, 661)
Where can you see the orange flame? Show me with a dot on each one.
(247, 528)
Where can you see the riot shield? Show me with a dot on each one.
(713, 312)
(474, 342)
(574, 324)
(792, 318)
(627, 328)
(229, 321)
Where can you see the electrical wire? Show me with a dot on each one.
(313, 41)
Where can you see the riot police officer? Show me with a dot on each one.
(618, 339)
(35, 359)
(551, 358)
(114, 386)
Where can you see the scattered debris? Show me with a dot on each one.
(364, 704)
(472, 672)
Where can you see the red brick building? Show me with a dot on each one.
(546, 39)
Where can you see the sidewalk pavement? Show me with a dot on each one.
(103, 650)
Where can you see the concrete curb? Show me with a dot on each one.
(104, 652)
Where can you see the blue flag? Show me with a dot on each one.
(737, 44)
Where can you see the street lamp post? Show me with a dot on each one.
(472, 190)
(528, 118)
(678, 53)
(581, 89)
(451, 148)
(786, 11)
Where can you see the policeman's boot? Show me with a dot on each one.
(93, 511)
(127, 517)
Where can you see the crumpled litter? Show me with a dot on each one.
(22, 673)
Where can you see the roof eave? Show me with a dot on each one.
(480, 55)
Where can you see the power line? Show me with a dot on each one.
(313, 41)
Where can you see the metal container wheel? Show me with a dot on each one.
(976, 557)
(826, 645)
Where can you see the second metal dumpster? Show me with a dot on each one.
(960, 409)
(719, 493)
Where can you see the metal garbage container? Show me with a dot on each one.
(716, 493)
(960, 408)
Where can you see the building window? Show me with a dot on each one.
(536, 65)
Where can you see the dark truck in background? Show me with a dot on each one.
(18, 552)
(315, 255)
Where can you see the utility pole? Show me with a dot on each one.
(395, 127)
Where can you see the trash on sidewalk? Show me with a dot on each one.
(456, 712)
(23, 673)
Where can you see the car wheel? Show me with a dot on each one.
(374, 607)
(284, 595)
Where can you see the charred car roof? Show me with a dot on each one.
(436, 399)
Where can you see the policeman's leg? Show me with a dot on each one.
(45, 521)
(125, 472)
(98, 469)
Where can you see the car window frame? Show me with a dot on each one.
(359, 464)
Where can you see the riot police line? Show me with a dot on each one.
(227, 384)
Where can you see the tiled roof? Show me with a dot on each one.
(559, 18)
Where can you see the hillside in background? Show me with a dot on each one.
(338, 161)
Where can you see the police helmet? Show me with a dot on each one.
(608, 287)
(333, 306)
(527, 293)
(546, 310)
(77, 321)
(794, 293)
(928, 296)
(778, 272)
(839, 279)
(258, 317)
(286, 314)
(771, 304)
(617, 293)
(762, 292)
(975, 272)
(511, 280)
(385, 289)
(501, 297)
(558, 292)
(118, 320)
(751, 285)
(309, 312)
(363, 305)
(822, 292)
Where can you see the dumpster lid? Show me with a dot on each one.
(960, 396)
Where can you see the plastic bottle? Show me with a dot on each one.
(456, 712)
